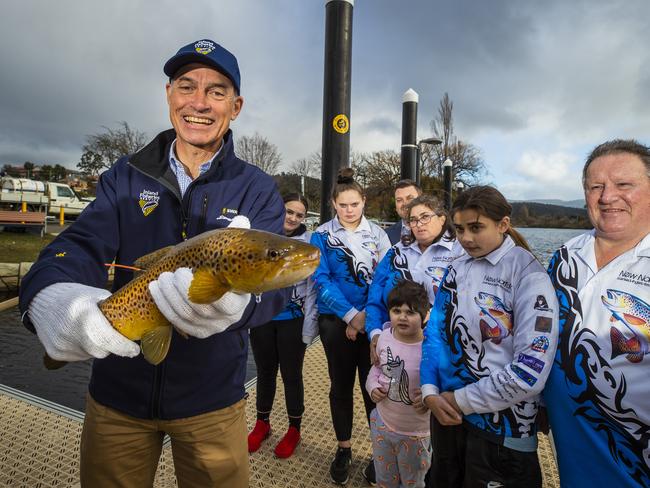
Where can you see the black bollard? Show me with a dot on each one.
(336, 97)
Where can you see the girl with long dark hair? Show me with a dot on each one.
(281, 343)
(487, 352)
(351, 247)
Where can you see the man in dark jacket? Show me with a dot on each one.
(405, 191)
(186, 181)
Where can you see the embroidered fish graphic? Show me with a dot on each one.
(634, 313)
(496, 323)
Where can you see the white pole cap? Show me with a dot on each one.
(410, 95)
(448, 163)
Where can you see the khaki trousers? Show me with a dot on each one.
(209, 450)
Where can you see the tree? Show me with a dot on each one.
(59, 172)
(378, 172)
(309, 166)
(102, 150)
(468, 163)
(29, 168)
(46, 172)
(91, 163)
(259, 151)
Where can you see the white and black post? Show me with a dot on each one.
(409, 167)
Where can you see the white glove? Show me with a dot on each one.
(170, 292)
(240, 222)
(71, 326)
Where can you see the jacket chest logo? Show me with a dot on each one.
(148, 201)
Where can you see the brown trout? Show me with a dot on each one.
(230, 259)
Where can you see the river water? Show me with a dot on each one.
(21, 354)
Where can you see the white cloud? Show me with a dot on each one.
(538, 175)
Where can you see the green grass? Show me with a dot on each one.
(16, 247)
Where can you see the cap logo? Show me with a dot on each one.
(204, 47)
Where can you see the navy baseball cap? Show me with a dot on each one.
(207, 52)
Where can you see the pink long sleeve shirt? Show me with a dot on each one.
(399, 375)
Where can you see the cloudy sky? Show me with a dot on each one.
(535, 85)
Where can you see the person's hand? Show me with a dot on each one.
(443, 411)
(374, 357)
(418, 405)
(71, 327)
(351, 333)
(358, 322)
(451, 399)
(378, 394)
(170, 293)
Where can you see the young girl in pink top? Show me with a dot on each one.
(399, 425)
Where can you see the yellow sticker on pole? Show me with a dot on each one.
(341, 124)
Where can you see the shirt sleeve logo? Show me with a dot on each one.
(540, 344)
(541, 304)
(532, 362)
(543, 324)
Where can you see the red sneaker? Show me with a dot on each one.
(288, 444)
(260, 432)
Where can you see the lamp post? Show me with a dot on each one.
(447, 171)
(431, 141)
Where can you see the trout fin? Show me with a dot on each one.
(155, 343)
(52, 364)
(635, 358)
(205, 287)
(148, 260)
(488, 332)
(633, 320)
(620, 345)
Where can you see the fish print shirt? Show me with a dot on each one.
(347, 263)
(407, 263)
(302, 302)
(399, 375)
(491, 340)
(598, 392)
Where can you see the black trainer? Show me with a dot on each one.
(369, 473)
(340, 467)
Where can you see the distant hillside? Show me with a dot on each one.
(580, 203)
(533, 214)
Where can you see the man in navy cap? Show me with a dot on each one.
(184, 182)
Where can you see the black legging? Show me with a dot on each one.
(344, 357)
(279, 342)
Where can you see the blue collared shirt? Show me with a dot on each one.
(177, 167)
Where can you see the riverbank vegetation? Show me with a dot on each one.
(531, 214)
